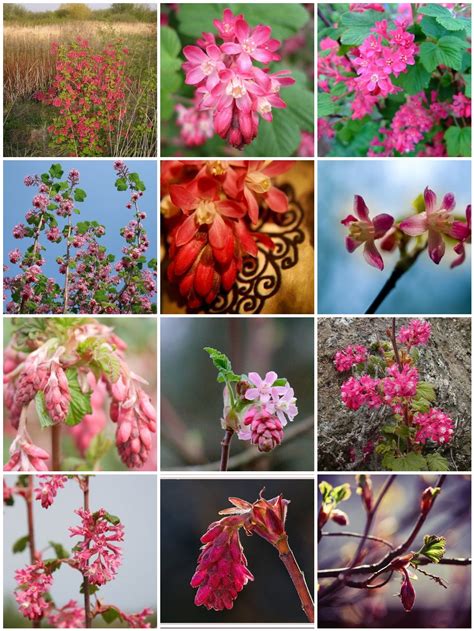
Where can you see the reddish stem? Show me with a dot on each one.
(31, 529)
(87, 598)
(297, 576)
(225, 448)
(56, 446)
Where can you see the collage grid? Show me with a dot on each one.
(210, 375)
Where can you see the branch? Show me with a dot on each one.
(56, 447)
(225, 448)
(342, 577)
(288, 559)
(252, 454)
(87, 599)
(358, 536)
(31, 530)
(368, 569)
(401, 267)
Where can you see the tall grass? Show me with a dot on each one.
(29, 67)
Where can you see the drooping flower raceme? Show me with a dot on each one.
(33, 583)
(95, 555)
(229, 84)
(48, 488)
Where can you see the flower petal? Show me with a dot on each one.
(219, 233)
(360, 208)
(436, 246)
(255, 378)
(252, 204)
(430, 200)
(242, 30)
(449, 202)
(372, 255)
(186, 231)
(194, 54)
(382, 224)
(277, 200)
(415, 225)
(352, 244)
(271, 377)
(182, 197)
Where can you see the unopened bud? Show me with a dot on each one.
(340, 517)
(407, 593)
(427, 499)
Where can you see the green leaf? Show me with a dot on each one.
(121, 184)
(437, 462)
(450, 51)
(300, 105)
(407, 462)
(341, 493)
(113, 519)
(458, 141)
(43, 415)
(59, 549)
(433, 548)
(52, 565)
(428, 55)
(223, 365)
(415, 80)
(358, 26)
(326, 105)
(56, 171)
(98, 448)
(20, 544)
(278, 138)
(467, 80)
(79, 195)
(92, 589)
(434, 10)
(80, 404)
(171, 76)
(325, 489)
(110, 614)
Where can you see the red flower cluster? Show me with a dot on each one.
(209, 205)
(89, 92)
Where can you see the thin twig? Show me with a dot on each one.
(252, 454)
(369, 569)
(31, 530)
(225, 448)
(56, 446)
(87, 599)
(288, 559)
(358, 535)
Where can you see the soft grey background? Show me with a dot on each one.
(132, 498)
(346, 283)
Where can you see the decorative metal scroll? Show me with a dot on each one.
(260, 278)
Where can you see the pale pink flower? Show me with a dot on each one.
(70, 616)
(33, 583)
(262, 390)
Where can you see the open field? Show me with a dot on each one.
(29, 67)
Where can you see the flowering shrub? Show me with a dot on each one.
(209, 208)
(222, 570)
(92, 282)
(394, 80)
(431, 227)
(387, 377)
(89, 92)
(236, 80)
(378, 557)
(61, 363)
(255, 409)
(97, 557)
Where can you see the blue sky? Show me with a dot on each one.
(103, 204)
(346, 283)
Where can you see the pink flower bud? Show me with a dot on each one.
(407, 593)
(340, 517)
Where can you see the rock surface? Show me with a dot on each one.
(445, 361)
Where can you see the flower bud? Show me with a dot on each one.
(427, 499)
(340, 517)
(268, 518)
(407, 593)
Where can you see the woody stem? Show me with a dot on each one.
(56, 446)
(225, 448)
(87, 600)
(403, 265)
(31, 529)
(288, 559)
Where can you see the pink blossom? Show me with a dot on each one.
(69, 616)
(350, 356)
(56, 393)
(262, 389)
(364, 230)
(48, 488)
(19, 231)
(202, 65)
(250, 44)
(400, 384)
(25, 456)
(433, 425)
(33, 583)
(417, 333)
(435, 221)
(14, 256)
(222, 570)
(95, 555)
(462, 233)
(362, 391)
(264, 429)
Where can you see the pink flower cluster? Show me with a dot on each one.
(400, 384)
(417, 333)
(222, 570)
(48, 488)
(356, 392)
(56, 393)
(227, 82)
(434, 425)
(70, 616)
(350, 356)
(272, 407)
(95, 555)
(196, 126)
(33, 583)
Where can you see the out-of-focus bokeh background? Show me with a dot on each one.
(346, 283)
(191, 399)
(450, 517)
(130, 497)
(140, 335)
(189, 506)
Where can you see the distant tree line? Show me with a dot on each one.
(124, 12)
